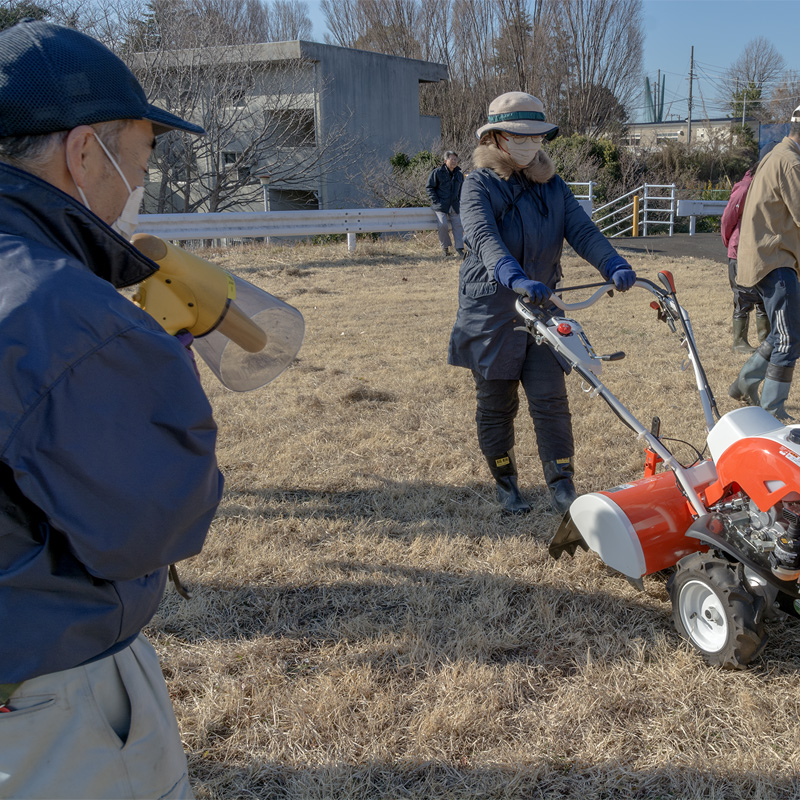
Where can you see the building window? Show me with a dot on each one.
(294, 127)
(232, 160)
(237, 97)
(292, 200)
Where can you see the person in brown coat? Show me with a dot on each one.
(769, 259)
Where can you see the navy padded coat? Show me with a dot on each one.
(107, 465)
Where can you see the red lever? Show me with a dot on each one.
(667, 279)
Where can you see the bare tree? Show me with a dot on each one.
(514, 46)
(597, 47)
(759, 63)
(748, 80)
(785, 97)
(182, 24)
(434, 30)
(381, 26)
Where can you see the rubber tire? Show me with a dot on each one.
(744, 611)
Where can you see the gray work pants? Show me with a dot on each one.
(446, 221)
(102, 730)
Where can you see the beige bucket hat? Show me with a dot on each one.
(519, 113)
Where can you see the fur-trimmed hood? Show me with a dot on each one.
(540, 170)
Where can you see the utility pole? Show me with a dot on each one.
(691, 79)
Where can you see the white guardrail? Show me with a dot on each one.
(700, 208)
(350, 221)
(264, 224)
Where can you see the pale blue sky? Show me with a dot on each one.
(719, 31)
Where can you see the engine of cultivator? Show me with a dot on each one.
(727, 527)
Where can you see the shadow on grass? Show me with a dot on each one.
(394, 615)
(575, 780)
(372, 261)
(408, 502)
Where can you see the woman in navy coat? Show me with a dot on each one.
(516, 214)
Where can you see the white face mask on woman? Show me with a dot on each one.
(522, 149)
(125, 224)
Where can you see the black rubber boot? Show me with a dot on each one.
(558, 475)
(504, 472)
(462, 252)
(777, 383)
(740, 343)
(762, 327)
(745, 387)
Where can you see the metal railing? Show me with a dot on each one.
(264, 224)
(238, 225)
(700, 208)
(638, 209)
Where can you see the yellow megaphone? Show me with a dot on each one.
(228, 316)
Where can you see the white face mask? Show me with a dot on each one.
(522, 152)
(125, 224)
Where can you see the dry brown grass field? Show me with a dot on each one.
(365, 625)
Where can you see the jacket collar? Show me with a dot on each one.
(540, 170)
(37, 210)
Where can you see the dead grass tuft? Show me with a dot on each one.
(365, 625)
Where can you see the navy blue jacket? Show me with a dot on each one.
(528, 220)
(444, 189)
(107, 465)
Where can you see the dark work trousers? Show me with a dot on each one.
(781, 292)
(545, 387)
(745, 298)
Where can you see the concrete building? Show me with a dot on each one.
(329, 110)
(652, 135)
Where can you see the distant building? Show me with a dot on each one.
(354, 96)
(652, 135)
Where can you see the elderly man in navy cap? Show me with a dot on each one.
(107, 444)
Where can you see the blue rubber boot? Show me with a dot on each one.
(745, 387)
(777, 383)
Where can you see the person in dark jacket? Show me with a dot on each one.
(745, 298)
(444, 190)
(108, 471)
(517, 213)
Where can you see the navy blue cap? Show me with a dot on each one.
(54, 78)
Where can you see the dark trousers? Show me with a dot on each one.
(745, 298)
(781, 292)
(545, 388)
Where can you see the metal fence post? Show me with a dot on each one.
(645, 210)
(351, 243)
(672, 212)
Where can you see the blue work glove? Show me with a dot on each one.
(618, 270)
(535, 291)
(508, 273)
